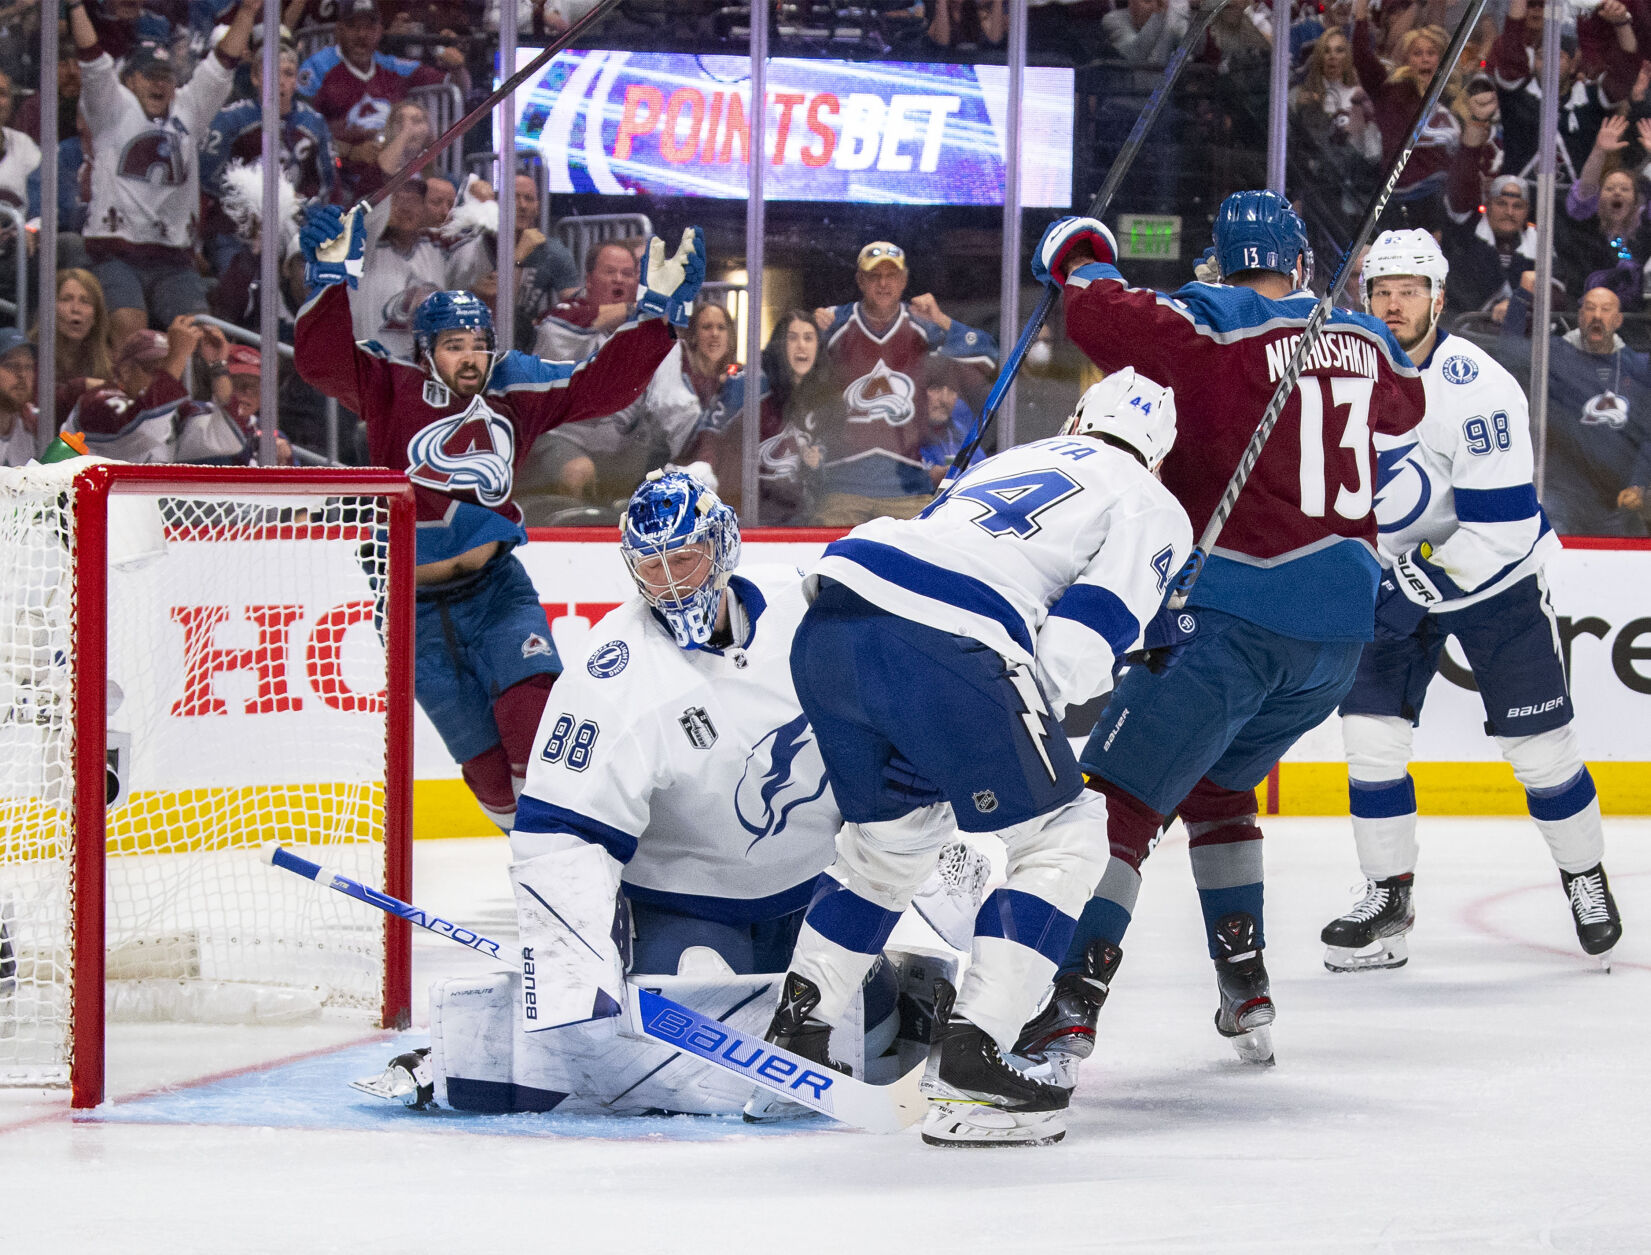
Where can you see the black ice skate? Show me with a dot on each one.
(1372, 934)
(975, 1097)
(1246, 1007)
(793, 1028)
(1058, 1037)
(1594, 911)
(406, 1080)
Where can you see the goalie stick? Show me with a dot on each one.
(1102, 201)
(1320, 316)
(648, 1013)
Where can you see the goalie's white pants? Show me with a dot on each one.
(1054, 862)
(1549, 765)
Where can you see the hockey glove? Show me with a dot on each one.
(334, 244)
(669, 285)
(1397, 617)
(1060, 238)
(1422, 580)
(1188, 575)
(1165, 639)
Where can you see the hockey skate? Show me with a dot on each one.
(1059, 1037)
(407, 1080)
(976, 1098)
(794, 1028)
(1246, 1007)
(1594, 911)
(950, 899)
(1372, 934)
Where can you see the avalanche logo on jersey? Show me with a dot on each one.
(154, 157)
(470, 453)
(881, 395)
(1403, 488)
(1460, 369)
(775, 783)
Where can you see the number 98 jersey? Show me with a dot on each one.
(1461, 481)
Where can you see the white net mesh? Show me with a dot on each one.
(246, 679)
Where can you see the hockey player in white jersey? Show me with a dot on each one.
(934, 663)
(1465, 541)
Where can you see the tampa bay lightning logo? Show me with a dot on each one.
(472, 453)
(1460, 369)
(609, 660)
(769, 790)
(1394, 471)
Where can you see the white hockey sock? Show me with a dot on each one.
(1568, 819)
(1384, 825)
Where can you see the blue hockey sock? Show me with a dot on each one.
(1106, 916)
(1228, 875)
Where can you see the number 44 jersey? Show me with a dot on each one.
(1298, 554)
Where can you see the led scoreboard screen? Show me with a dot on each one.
(887, 132)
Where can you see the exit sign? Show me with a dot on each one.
(1150, 237)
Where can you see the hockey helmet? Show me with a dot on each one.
(1131, 409)
(449, 311)
(1412, 252)
(1259, 230)
(669, 511)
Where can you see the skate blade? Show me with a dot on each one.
(1604, 958)
(766, 1107)
(1255, 1047)
(392, 1085)
(1383, 953)
(974, 1125)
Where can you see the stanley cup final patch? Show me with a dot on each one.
(701, 732)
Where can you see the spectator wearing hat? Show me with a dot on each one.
(18, 421)
(1489, 243)
(122, 25)
(354, 85)
(149, 366)
(143, 223)
(882, 350)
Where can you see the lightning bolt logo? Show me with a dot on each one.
(1032, 712)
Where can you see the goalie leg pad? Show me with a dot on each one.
(571, 923)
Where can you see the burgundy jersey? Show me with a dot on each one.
(1298, 553)
(462, 454)
(356, 104)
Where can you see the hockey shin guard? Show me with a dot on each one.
(1224, 843)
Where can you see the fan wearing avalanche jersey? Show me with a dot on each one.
(1285, 599)
(879, 348)
(459, 423)
(1467, 541)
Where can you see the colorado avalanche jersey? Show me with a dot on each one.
(146, 186)
(879, 449)
(1462, 481)
(1054, 554)
(304, 148)
(695, 768)
(352, 102)
(1298, 554)
(462, 454)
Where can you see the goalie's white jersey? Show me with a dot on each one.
(1061, 549)
(695, 768)
(1464, 484)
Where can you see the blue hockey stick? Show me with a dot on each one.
(1193, 41)
(648, 1013)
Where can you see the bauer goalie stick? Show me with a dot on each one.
(1102, 201)
(649, 1014)
(1320, 316)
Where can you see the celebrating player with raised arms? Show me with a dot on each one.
(459, 421)
(934, 662)
(1467, 541)
(1285, 599)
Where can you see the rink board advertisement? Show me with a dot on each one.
(1602, 604)
(879, 132)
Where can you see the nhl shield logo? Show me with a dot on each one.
(985, 801)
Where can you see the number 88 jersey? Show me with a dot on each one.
(1461, 481)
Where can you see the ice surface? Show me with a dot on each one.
(1494, 1095)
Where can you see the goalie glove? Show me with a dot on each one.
(669, 285)
(334, 244)
(1060, 238)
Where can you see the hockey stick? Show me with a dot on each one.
(1321, 315)
(648, 1013)
(563, 41)
(1102, 201)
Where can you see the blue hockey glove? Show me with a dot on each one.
(334, 244)
(1397, 616)
(1060, 238)
(1187, 576)
(669, 285)
(900, 778)
(1164, 640)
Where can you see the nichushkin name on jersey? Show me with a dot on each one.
(1353, 355)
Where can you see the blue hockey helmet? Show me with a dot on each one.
(1259, 231)
(449, 311)
(669, 512)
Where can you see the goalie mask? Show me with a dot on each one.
(1413, 252)
(681, 542)
(1128, 409)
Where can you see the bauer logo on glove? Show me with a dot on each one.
(669, 285)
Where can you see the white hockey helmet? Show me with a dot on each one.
(1131, 409)
(1412, 252)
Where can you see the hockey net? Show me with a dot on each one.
(195, 662)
